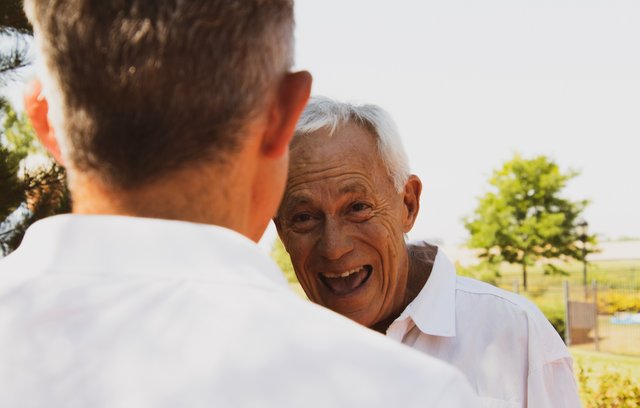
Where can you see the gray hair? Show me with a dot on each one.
(325, 113)
(140, 88)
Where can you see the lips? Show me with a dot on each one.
(346, 282)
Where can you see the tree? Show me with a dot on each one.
(26, 194)
(14, 26)
(524, 219)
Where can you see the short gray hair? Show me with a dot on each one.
(141, 88)
(325, 113)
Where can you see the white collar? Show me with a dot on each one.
(108, 244)
(434, 309)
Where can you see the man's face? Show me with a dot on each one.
(342, 221)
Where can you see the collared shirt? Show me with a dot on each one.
(505, 346)
(108, 311)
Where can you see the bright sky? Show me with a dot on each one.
(471, 82)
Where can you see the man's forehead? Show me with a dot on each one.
(346, 137)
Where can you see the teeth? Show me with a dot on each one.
(344, 274)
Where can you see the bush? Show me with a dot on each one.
(609, 389)
(610, 302)
(484, 271)
(554, 312)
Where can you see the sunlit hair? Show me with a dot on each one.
(325, 113)
(140, 88)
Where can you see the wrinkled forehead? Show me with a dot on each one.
(329, 165)
(347, 141)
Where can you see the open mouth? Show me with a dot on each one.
(346, 282)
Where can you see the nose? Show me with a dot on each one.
(335, 241)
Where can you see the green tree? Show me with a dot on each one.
(11, 155)
(40, 192)
(15, 29)
(524, 218)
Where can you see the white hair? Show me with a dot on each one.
(325, 113)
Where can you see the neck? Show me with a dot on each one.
(421, 258)
(199, 195)
(420, 263)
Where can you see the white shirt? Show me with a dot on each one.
(508, 350)
(106, 311)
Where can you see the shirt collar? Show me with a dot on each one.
(434, 309)
(145, 246)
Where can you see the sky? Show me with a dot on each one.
(470, 83)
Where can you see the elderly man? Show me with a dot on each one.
(173, 119)
(349, 201)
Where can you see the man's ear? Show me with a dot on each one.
(412, 191)
(37, 109)
(289, 102)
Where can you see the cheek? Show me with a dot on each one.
(386, 238)
(383, 236)
(299, 250)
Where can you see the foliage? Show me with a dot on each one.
(12, 16)
(608, 389)
(281, 257)
(484, 271)
(524, 219)
(15, 27)
(10, 188)
(42, 191)
(11, 156)
(554, 312)
(612, 302)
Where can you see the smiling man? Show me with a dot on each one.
(349, 201)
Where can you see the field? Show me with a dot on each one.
(610, 273)
(601, 362)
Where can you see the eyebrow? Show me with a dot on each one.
(353, 188)
(294, 201)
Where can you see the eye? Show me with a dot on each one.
(303, 222)
(359, 207)
(301, 218)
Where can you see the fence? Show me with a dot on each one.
(603, 316)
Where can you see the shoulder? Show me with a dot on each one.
(512, 312)
(354, 362)
(496, 296)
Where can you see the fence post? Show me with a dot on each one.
(567, 323)
(516, 286)
(596, 333)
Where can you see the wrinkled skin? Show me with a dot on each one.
(341, 215)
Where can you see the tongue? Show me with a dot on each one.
(343, 286)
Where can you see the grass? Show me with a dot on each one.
(600, 362)
(610, 273)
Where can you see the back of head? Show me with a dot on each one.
(139, 88)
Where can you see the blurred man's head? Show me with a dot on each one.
(142, 90)
(348, 203)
